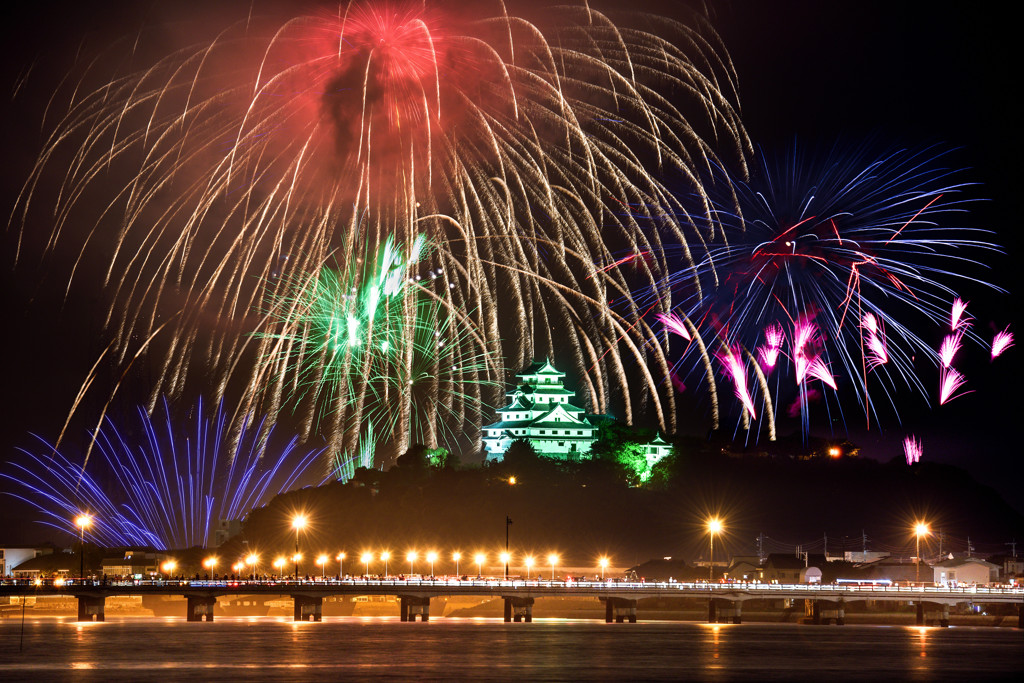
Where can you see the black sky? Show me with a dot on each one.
(913, 74)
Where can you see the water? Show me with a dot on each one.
(278, 649)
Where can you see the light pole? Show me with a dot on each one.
(505, 557)
(279, 565)
(920, 529)
(508, 523)
(210, 564)
(552, 560)
(366, 558)
(604, 565)
(322, 561)
(83, 521)
(168, 567)
(431, 558)
(479, 559)
(457, 556)
(714, 527)
(341, 565)
(410, 557)
(529, 563)
(299, 523)
(251, 560)
(384, 557)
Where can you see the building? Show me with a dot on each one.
(965, 570)
(541, 410)
(12, 557)
(137, 563)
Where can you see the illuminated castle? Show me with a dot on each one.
(541, 410)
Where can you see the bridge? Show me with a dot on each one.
(725, 600)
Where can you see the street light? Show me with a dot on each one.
(431, 558)
(456, 556)
(479, 559)
(505, 557)
(366, 558)
(552, 560)
(604, 565)
(714, 527)
(299, 523)
(529, 563)
(83, 521)
(168, 567)
(251, 560)
(279, 565)
(920, 529)
(341, 564)
(210, 563)
(410, 557)
(322, 561)
(384, 557)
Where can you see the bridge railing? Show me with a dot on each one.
(609, 585)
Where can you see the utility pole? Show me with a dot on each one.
(1013, 547)
(940, 543)
(864, 544)
(760, 547)
(508, 523)
(970, 548)
(826, 546)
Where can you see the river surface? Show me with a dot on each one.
(278, 649)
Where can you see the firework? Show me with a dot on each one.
(956, 315)
(769, 351)
(830, 248)
(161, 485)
(1002, 341)
(673, 323)
(232, 169)
(378, 351)
(732, 359)
(949, 382)
(912, 449)
(950, 347)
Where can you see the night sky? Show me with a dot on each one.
(911, 74)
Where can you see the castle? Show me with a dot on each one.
(540, 410)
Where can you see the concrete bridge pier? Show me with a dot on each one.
(944, 617)
(518, 609)
(308, 607)
(412, 606)
(90, 608)
(619, 610)
(200, 607)
(727, 611)
(920, 613)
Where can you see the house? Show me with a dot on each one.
(745, 568)
(971, 570)
(541, 410)
(52, 564)
(782, 568)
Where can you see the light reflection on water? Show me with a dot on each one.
(135, 648)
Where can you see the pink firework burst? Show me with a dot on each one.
(912, 449)
(817, 369)
(878, 354)
(803, 333)
(769, 355)
(870, 323)
(949, 348)
(949, 381)
(956, 316)
(732, 360)
(1002, 341)
(674, 324)
(769, 352)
